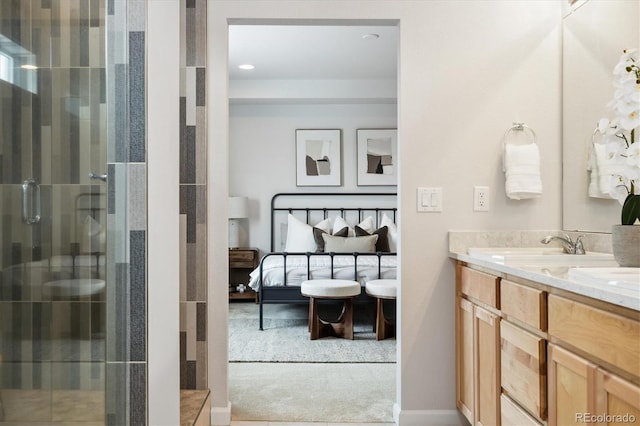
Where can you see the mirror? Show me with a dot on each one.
(595, 32)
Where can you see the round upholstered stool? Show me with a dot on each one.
(344, 290)
(381, 290)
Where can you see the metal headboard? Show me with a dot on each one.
(335, 198)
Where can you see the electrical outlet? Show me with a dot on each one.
(481, 198)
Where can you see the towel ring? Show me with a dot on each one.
(516, 127)
(519, 127)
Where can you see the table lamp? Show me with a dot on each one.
(238, 209)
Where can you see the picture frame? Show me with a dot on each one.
(377, 153)
(318, 157)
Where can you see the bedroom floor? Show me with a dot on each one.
(309, 393)
(245, 423)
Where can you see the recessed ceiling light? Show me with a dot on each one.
(28, 67)
(246, 67)
(371, 36)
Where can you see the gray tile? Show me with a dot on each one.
(188, 155)
(138, 395)
(188, 207)
(137, 197)
(138, 296)
(201, 322)
(137, 94)
(136, 15)
(201, 94)
(190, 36)
(83, 33)
(117, 389)
(120, 112)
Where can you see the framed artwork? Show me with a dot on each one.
(319, 157)
(377, 156)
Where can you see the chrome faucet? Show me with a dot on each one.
(568, 245)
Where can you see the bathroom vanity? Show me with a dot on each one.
(546, 340)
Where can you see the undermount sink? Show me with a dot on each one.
(539, 256)
(622, 278)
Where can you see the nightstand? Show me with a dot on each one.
(241, 262)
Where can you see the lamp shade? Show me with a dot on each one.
(238, 207)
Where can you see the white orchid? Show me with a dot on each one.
(619, 135)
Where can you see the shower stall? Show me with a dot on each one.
(72, 248)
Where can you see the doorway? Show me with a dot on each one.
(317, 84)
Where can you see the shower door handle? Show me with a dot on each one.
(30, 202)
(98, 176)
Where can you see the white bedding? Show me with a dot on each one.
(321, 268)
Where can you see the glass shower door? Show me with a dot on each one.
(53, 207)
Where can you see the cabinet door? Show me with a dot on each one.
(464, 357)
(487, 367)
(513, 415)
(569, 381)
(616, 397)
(523, 368)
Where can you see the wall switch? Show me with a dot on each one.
(481, 198)
(429, 199)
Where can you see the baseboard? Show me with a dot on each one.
(426, 417)
(221, 416)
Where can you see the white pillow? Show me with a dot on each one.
(300, 235)
(366, 244)
(367, 224)
(393, 232)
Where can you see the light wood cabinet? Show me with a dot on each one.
(525, 304)
(523, 368)
(487, 367)
(534, 355)
(616, 397)
(513, 415)
(464, 358)
(581, 392)
(478, 348)
(569, 376)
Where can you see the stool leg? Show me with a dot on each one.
(380, 321)
(348, 319)
(384, 328)
(314, 320)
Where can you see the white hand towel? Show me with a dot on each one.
(608, 169)
(594, 175)
(522, 171)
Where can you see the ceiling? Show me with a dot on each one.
(286, 52)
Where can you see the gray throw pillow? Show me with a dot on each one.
(350, 244)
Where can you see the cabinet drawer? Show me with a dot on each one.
(242, 258)
(512, 415)
(480, 286)
(525, 304)
(605, 335)
(523, 372)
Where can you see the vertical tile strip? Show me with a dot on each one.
(137, 113)
(138, 301)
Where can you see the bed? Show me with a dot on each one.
(326, 235)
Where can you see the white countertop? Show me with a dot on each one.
(558, 277)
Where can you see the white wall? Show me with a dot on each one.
(467, 71)
(163, 201)
(262, 153)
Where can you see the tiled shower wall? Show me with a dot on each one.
(52, 345)
(193, 196)
(56, 351)
(126, 366)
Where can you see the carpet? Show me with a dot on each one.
(313, 392)
(285, 338)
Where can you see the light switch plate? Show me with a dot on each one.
(429, 199)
